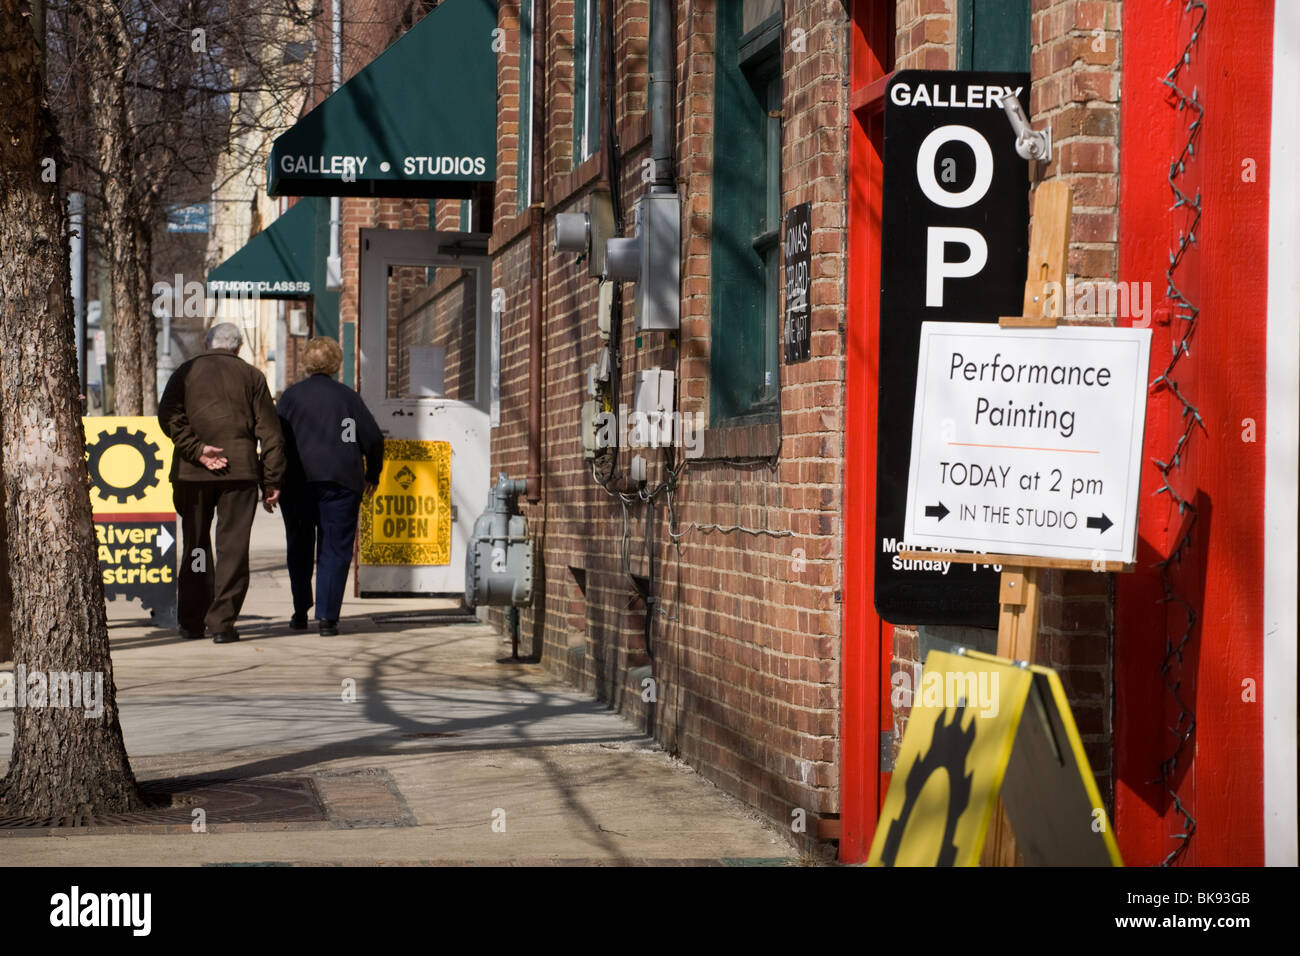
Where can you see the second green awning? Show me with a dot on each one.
(420, 121)
(276, 263)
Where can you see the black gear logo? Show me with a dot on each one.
(151, 464)
(949, 747)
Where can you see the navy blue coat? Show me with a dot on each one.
(329, 435)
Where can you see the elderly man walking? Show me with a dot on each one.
(217, 409)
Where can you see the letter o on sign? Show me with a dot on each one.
(983, 167)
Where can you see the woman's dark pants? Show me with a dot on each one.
(320, 523)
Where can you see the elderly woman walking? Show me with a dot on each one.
(335, 453)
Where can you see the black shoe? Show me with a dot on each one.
(225, 637)
(298, 622)
(328, 628)
(189, 635)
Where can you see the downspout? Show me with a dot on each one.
(661, 95)
(536, 261)
(334, 264)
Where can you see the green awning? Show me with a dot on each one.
(276, 263)
(420, 121)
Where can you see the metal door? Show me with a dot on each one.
(425, 363)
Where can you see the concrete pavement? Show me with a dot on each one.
(417, 745)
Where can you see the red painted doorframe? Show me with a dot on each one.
(866, 639)
(1220, 776)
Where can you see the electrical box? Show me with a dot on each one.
(297, 322)
(572, 232)
(499, 560)
(658, 294)
(651, 257)
(623, 255)
(595, 436)
(653, 404)
(605, 309)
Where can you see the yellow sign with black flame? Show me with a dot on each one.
(981, 728)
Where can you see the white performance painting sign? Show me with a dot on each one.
(1028, 441)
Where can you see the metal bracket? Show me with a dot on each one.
(1030, 143)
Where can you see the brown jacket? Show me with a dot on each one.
(219, 399)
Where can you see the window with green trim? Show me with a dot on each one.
(586, 79)
(524, 165)
(744, 378)
(993, 35)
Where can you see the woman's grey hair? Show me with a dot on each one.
(224, 335)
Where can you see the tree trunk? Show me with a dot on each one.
(127, 338)
(148, 321)
(110, 49)
(6, 626)
(67, 761)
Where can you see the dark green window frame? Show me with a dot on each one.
(744, 377)
(524, 164)
(993, 35)
(586, 79)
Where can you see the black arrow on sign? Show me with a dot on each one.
(936, 511)
(1101, 524)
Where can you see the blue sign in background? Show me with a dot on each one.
(194, 217)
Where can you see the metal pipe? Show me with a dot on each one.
(334, 264)
(661, 95)
(77, 251)
(536, 255)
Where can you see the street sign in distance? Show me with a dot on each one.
(1028, 441)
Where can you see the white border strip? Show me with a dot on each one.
(1282, 438)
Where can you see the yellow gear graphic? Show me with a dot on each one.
(150, 464)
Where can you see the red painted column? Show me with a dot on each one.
(1219, 776)
(860, 679)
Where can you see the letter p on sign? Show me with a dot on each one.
(938, 268)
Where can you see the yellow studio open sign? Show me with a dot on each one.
(407, 521)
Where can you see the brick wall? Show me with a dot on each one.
(743, 647)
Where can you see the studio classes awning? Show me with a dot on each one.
(276, 263)
(419, 121)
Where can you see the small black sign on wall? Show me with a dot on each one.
(798, 279)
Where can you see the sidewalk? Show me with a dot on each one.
(440, 742)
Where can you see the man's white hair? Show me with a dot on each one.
(225, 335)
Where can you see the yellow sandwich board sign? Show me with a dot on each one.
(983, 727)
(408, 518)
(129, 460)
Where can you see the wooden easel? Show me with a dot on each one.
(1019, 593)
